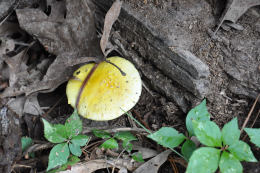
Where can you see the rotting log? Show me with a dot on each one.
(175, 72)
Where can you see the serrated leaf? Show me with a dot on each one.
(242, 151)
(127, 146)
(58, 156)
(199, 113)
(204, 160)
(229, 163)
(208, 133)
(101, 134)
(26, 142)
(75, 149)
(230, 132)
(138, 157)
(73, 125)
(54, 133)
(125, 136)
(254, 135)
(71, 161)
(187, 148)
(167, 137)
(80, 140)
(110, 144)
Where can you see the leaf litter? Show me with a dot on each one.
(56, 32)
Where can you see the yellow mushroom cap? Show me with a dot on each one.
(107, 93)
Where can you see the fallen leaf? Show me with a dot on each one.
(110, 19)
(146, 152)
(31, 105)
(68, 33)
(14, 64)
(153, 165)
(17, 105)
(236, 8)
(94, 165)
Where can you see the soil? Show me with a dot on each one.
(154, 109)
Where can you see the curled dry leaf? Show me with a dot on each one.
(110, 19)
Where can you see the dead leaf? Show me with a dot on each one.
(68, 33)
(153, 165)
(110, 19)
(32, 106)
(17, 105)
(65, 30)
(236, 8)
(88, 167)
(146, 152)
(14, 64)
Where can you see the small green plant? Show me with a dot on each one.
(221, 148)
(112, 142)
(26, 142)
(67, 139)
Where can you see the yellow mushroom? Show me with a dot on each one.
(101, 92)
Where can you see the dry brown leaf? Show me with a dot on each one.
(68, 33)
(236, 8)
(31, 105)
(153, 165)
(95, 165)
(110, 19)
(14, 64)
(146, 152)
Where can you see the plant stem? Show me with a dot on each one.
(148, 131)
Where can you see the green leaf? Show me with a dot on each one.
(167, 137)
(229, 163)
(54, 133)
(110, 144)
(127, 146)
(75, 149)
(58, 156)
(73, 125)
(230, 132)
(26, 143)
(138, 157)
(71, 161)
(125, 136)
(187, 148)
(80, 140)
(101, 134)
(254, 135)
(199, 113)
(208, 133)
(242, 151)
(204, 160)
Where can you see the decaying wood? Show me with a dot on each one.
(174, 71)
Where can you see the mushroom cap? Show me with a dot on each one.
(108, 93)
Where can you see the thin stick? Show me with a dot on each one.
(84, 83)
(51, 109)
(252, 123)
(113, 170)
(249, 114)
(89, 130)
